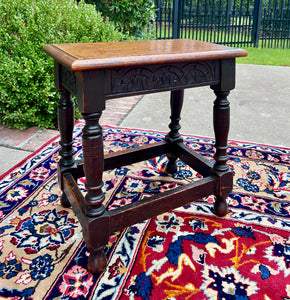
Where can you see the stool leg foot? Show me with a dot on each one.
(97, 261)
(221, 206)
(64, 201)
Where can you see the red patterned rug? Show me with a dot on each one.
(187, 253)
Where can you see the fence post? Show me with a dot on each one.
(176, 19)
(158, 11)
(257, 16)
(228, 13)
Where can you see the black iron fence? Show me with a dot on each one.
(264, 23)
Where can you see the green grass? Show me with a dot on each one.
(266, 56)
(256, 56)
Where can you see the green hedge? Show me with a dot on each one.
(27, 93)
(133, 18)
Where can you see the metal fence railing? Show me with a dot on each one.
(264, 23)
(275, 24)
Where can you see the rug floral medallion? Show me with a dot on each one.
(187, 253)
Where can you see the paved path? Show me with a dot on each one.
(260, 108)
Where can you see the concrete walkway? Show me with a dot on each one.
(260, 112)
(260, 108)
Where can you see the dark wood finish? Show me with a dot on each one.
(131, 68)
(221, 121)
(120, 218)
(99, 71)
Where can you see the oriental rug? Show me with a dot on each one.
(187, 253)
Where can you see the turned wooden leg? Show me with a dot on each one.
(93, 164)
(176, 102)
(93, 154)
(66, 126)
(221, 128)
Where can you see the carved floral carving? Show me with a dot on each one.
(162, 77)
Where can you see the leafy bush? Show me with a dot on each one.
(133, 18)
(27, 93)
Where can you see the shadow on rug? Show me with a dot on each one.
(187, 253)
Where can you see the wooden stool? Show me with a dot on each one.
(95, 72)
